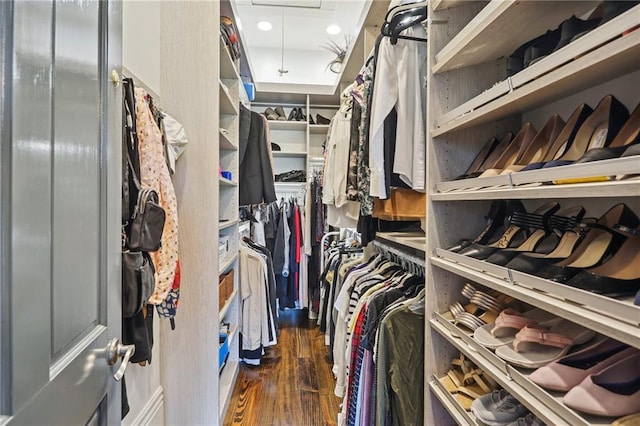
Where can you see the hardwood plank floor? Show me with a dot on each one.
(292, 386)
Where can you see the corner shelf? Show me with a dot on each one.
(227, 105)
(227, 382)
(228, 224)
(524, 20)
(228, 263)
(226, 182)
(225, 142)
(227, 305)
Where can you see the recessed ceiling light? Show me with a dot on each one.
(333, 29)
(265, 26)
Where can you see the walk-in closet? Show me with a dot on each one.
(320, 212)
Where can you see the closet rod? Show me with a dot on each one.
(385, 248)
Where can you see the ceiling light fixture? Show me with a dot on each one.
(333, 29)
(265, 26)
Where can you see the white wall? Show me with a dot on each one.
(302, 65)
(141, 41)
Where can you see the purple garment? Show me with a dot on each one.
(367, 370)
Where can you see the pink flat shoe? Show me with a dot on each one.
(613, 392)
(571, 370)
(535, 346)
(509, 322)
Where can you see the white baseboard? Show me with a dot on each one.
(152, 414)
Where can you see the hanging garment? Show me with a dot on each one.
(399, 83)
(154, 174)
(256, 174)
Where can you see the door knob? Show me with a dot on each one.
(116, 350)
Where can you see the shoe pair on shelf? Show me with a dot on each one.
(467, 382)
(569, 31)
(589, 135)
(601, 379)
(560, 245)
(500, 408)
(276, 114)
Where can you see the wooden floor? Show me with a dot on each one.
(292, 386)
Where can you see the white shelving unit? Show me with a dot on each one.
(470, 99)
(228, 190)
(301, 142)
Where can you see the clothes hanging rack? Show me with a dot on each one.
(401, 17)
(411, 263)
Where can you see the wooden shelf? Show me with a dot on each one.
(227, 67)
(448, 4)
(616, 58)
(287, 125)
(226, 143)
(228, 263)
(227, 105)
(591, 42)
(413, 240)
(616, 318)
(483, 39)
(227, 306)
(227, 382)
(289, 154)
(226, 182)
(227, 224)
(318, 129)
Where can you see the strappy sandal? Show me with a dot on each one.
(535, 346)
(508, 323)
(467, 382)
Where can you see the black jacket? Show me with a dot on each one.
(256, 175)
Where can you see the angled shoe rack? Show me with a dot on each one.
(471, 99)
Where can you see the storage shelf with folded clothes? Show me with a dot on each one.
(534, 199)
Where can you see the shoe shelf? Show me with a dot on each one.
(225, 142)
(521, 393)
(459, 414)
(616, 318)
(545, 405)
(227, 105)
(318, 129)
(560, 60)
(483, 39)
(537, 183)
(615, 59)
(287, 125)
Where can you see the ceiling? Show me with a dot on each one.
(300, 50)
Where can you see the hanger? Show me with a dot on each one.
(403, 17)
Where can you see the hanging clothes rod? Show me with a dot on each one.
(413, 264)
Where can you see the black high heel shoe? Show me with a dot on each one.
(628, 135)
(543, 239)
(495, 219)
(519, 230)
(599, 244)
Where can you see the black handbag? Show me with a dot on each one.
(138, 281)
(147, 222)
